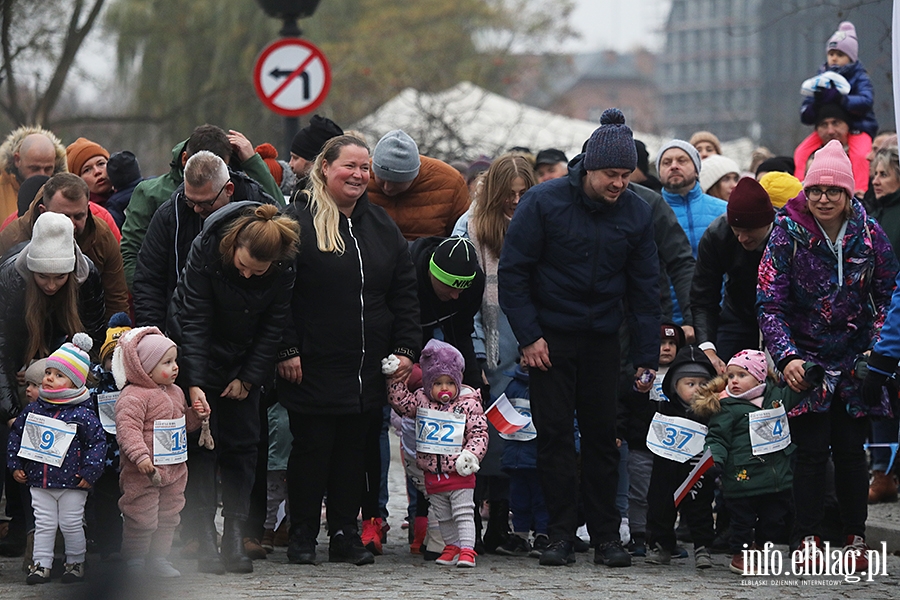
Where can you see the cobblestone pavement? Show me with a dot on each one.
(399, 574)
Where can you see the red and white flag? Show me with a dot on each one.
(505, 417)
(706, 461)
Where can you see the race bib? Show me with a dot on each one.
(769, 431)
(439, 432)
(106, 408)
(675, 438)
(46, 440)
(527, 433)
(656, 392)
(169, 441)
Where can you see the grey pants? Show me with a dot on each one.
(640, 465)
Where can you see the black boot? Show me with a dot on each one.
(208, 559)
(498, 526)
(233, 556)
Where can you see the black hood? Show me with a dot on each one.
(689, 356)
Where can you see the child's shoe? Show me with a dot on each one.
(702, 559)
(466, 558)
(809, 556)
(540, 543)
(74, 573)
(659, 556)
(737, 564)
(420, 530)
(160, 567)
(449, 556)
(135, 567)
(37, 574)
(371, 535)
(515, 545)
(857, 545)
(268, 541)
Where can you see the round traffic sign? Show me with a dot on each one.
(292, 77)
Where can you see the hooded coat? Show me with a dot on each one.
(858, 103)
(805, 312)
(140, 403)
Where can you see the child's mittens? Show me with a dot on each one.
(390, 365)
(829, 80)
(206, 438)
(467, 463)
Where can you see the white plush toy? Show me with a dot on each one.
(390, 365)
(467, 463)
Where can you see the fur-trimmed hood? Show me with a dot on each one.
(14, 141)
(707, 400)
(126, 365)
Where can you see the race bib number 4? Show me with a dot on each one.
(169, 441)
(527, 433)
(46, 440)
(675, 438)
(106, 408)
(769, 431)
(439, 432)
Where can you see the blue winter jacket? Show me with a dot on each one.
(568, 263)
(859, 102)
(888, 343)
(695, 211)
(86, 455)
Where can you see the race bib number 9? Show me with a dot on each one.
(675, 438)
(169, 441)
(439, 432)
(527, 433)
(769, 431)
(46, 440)
(106, 408)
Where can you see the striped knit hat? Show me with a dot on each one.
(72, 359)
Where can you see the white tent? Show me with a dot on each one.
(467, 121)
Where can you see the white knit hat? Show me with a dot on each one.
(715, 167)
(52, 247)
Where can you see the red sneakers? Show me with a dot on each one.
(857, 545)
(809, 557)
(449, 556)
(466, 558)
(371, 535)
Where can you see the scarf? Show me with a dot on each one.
(753, 395)
(68, 396)
(490, 302)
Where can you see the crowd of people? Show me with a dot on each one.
(241, 333)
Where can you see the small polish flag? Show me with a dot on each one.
(505, 417)
(706, 461)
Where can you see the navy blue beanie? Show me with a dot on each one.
(611, 146)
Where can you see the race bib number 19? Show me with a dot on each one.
(169, 441)
(675, 438)
(46, 440)
(439, 432)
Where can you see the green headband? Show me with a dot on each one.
(459, 282)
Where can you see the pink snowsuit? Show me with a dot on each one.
(151, 512)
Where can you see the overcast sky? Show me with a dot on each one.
(618, 24)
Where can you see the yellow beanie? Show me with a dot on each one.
(781, 187)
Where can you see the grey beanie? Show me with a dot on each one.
(396, 157)
(611, 146)
(683, 145)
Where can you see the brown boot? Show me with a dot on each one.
(282, 533)
(253, 549)
(268, 540)
(883, 488)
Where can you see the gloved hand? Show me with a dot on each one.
(467, 463)
(881, 369)
(828, 96)
(389, 365)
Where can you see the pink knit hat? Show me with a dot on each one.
(752, 360)
(150, 350)
(844, 39)
(831, 168)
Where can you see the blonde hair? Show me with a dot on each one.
(326, 216)
(266, 235)
(489, 222)
(41, 310)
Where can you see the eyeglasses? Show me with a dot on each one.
(833, 193)
(205, 203)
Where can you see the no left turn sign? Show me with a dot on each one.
(292, 77)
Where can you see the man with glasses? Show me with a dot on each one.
(208, 186)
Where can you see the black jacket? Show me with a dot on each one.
(456, 318)
(227, 326)
(349, 311)
(721, 258)
(14, 332)
(165, 249)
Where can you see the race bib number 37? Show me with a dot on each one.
(439, 432)
(769, 431)
(169, 442)
(675, 438)
(46, 440)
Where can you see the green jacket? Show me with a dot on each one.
(150, 194)
(729, 441)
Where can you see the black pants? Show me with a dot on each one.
(104, 517)
(235, 427)
(733, 335)
(817, 435)
(371, 480)
(768, 515)
(583, 379)
(327, 455)
(696, 508)
(256, 521)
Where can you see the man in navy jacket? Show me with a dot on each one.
(578, 251)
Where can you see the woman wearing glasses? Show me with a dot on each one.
(825, 282)
(208, 186)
